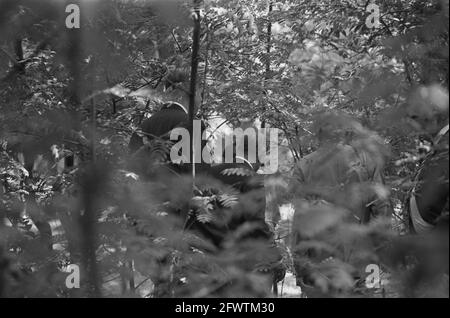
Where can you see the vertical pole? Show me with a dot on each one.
(268, 49)
(194, 75)
(94, 129)
(90, 187)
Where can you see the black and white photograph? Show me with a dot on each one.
(224, 155)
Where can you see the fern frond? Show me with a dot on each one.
(242, 172)
(227, 200)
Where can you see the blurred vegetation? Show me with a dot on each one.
(309, 68)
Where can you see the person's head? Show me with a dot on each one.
(333, 128)
(177, 86)
(427, 109)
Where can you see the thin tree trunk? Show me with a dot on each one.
(194, 74)
(268, 49)
(18, 49)
(205, 76)
(94, 129)
(88, 221)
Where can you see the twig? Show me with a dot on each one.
(13, 60)
(176, 41)
(142, 283)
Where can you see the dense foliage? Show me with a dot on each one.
(304, 67)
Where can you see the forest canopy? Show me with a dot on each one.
(360, 84)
